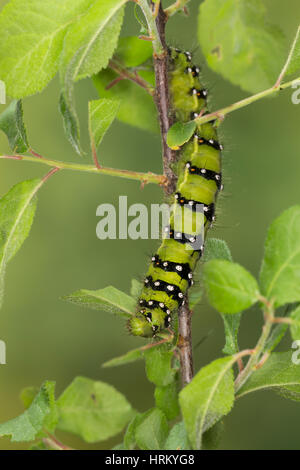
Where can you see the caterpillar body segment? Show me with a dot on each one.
(170, 273)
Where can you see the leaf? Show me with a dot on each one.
(88, 46)
(93, 410)
(159, 365)
(230, 288)
(17, 209)
(26, 427)
(129, 438)
(180, 133)
(166, 400)
(137, 107)
(280, 271)
(238, 42)
(11, 123)
(101, 115)
(108, 299)
(218, 249)
(152, 431)
(130, 356)
(31, 41)
(295, 327)
(177, 438)
(208, 397)
(294, 56)
(133, 51)
(136, 287)
(279, 373)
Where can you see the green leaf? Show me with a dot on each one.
(294, 56)
(17, 209)
(279, 373)
(218, 249)
(136, 287)
(180, 133)
(93, 410)
(31, 40)
(238, 42)
(137, 106)
(88, 46)
(177, 438)
(231, 326)
(230, 288)
(280, 272)
(130, 356)
(70, 119)
(101, 115)
(129, 438)
(166, 400)
(151, 433)
(208, 397)
(11, 123)
(159, 365)
(133, 51)
(27, 426)
(108, 299)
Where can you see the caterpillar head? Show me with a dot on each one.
(149, 323)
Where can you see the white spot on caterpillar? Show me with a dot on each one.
(180, 295)
(150, 302)
(165, 263)
(190, 275)
(218, 177)
(191, 203)
(203, 170)
(148, 319)
(169, 287)
(188, 165)
(162, 305)
(178, 235)
(178, 267)
(153, 258)
(168, 312)
(157, 283)
(192, 239)
(146, 280)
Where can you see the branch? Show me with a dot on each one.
(132, 175)
(221, 113)
(132, 76)
(175, 7)
(169, 157)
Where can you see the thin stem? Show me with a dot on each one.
(53, 443)
(288, 61)
(175, 7)
(185, 343)
(255, 360)
(132, 175)
(221, 113)
(132, 76)
(158, 48)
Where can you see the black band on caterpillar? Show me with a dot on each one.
(211, 142)
(207, 174)
(196, 206)
(182, 269)
(170, 289)
(195, 242)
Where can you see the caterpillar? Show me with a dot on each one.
(199, 181)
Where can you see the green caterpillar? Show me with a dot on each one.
(199, 181)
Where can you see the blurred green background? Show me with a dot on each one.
(49, 339)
